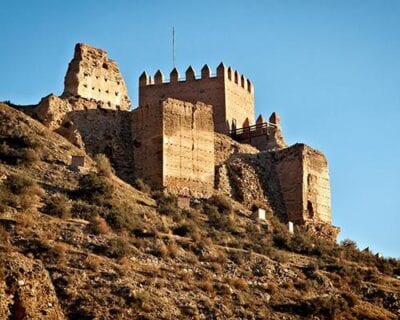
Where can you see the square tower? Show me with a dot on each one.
(230, 94)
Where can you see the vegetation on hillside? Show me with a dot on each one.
(114, 252)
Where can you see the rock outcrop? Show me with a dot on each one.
(26, 290)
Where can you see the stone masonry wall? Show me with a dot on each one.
(304, 182)
(231, 101)
(239, 99)
(147, 141)
(174, 147)
(188, 148)
(92, 75)
(316, 186)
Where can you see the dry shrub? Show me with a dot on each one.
(272, 288)
(172, 249)
(57, 205)
(186, 277)
(160, 250)
(93, 263)
(98, 225)
(216, 267)
(185, 228)
(23, 193)
(59, 251)
(116, 248)
(94, 189)
(239, 283)
(103, 165)
(142, 186)
(4, 236)
(142, 300)
(206, 286)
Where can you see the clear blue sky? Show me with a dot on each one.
(331, 69)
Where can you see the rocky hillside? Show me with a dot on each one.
(82, 244)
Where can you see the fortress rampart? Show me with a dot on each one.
(170, 141)
(92, 75)
(230, 94)
(174, 147)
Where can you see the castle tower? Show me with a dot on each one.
(93, 76)
(230, 94)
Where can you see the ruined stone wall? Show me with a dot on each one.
(304, 182)
(289, 168)
(231, 101)
(316, 186)
(147, 141)
(92, 75)
(108, 132)
(188, 148)
(90, 128)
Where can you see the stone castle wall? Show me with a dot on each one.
(147, 143)
(92, 75)
(177, 142)
(174, 147)
(188, 148)
(232, 101)
(304, 183)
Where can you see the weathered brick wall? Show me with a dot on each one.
(304, 182)
(147, 143)
(316, 185)
(174, 147)
(230, 100)
(92, 75)
(188, 148)
(239, 99)
(289, 168)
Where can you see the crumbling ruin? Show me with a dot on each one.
(191, 137)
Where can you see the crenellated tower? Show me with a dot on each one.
(230, 94)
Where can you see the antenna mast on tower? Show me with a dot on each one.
(173, 46)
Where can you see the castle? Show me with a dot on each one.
(192, 137)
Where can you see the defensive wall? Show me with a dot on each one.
(179, 136)
(92, 75)
(174, 147)
(230, 94)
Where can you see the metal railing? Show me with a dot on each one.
(253, 130)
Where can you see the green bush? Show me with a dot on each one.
(123, 217)
(117, 248)
(84, 210)
(16, 149)
(19, 192)
(220, 219)
(95, 189)
(168, 205)
(222, 203)
(185, 229)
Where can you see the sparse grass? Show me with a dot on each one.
(57, 205)
(20, 193)
(142, 186)
(117, 248)
(94, 189)
(123, 217)
(103, 165)
(18, 149)
(98, 226)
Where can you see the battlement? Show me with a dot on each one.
(190, 75)
(230, 93)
